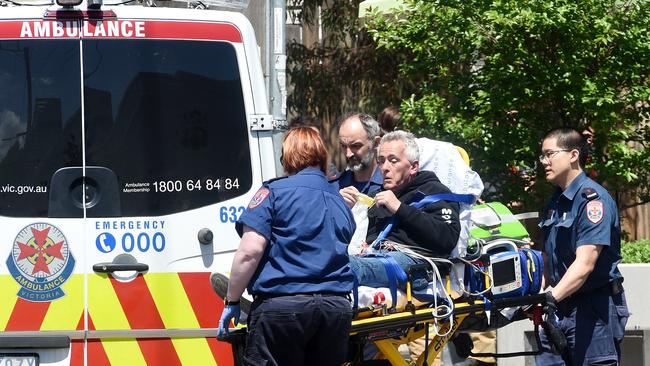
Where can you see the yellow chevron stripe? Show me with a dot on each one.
(176, 312)
(172, 302)
(193, 351)
(64, 313)
(7, 299)
(104, 307)
(123, 352)
(106, 312)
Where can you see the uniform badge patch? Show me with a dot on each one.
(40, 262)
(595, 211)
(259, 197)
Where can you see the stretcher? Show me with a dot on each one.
(388, 331)
(512, 283)
(490, 309)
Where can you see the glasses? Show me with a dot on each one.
(548, 155)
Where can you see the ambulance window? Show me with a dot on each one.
(168, 118)
(40, 121)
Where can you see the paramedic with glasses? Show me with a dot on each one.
(582, 247)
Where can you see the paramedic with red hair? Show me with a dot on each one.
(293, 260)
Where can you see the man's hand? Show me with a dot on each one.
(229, 312)
(349, 195)
(389, 200)
(550, 308)
(557, 339)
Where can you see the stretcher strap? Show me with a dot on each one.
(355, 293)
(426, 343)
(463, 198)
(487, 304)
(452, 197)
(396, 276)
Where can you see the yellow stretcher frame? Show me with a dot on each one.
(389, 346)
(405, 326)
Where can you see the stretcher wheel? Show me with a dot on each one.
(463, 344)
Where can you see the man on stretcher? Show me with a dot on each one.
(432, 229)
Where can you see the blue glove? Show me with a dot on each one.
(229, 312)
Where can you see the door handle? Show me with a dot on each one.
(122, 262)
(112, 267)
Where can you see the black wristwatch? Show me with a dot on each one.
(228, 302)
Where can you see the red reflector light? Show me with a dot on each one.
(79, 14)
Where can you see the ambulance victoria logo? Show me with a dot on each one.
(258, 198)
(40, 261)
(595, 211)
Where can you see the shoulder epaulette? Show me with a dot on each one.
(589, 193)
(273, 180)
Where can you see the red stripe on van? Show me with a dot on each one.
(221, 351)
(96, 354)
(77, 352)
(205, 302)
(77, 347)
(137, 303)
(27, 315)
(159, 351)
(207, 308)
(142, 313)
(91, 325)
(120, 29)
(10, 29)
(192, 30)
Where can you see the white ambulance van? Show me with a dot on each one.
(131, 139)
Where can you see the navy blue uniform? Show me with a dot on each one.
(346, 179)
(594, 318)
(301, 314)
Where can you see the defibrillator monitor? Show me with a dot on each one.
(505, 272)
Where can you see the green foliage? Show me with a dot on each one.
(343, 72)
(494, 75)
(636, 251)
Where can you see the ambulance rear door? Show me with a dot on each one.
(42, 242)
(172, 163)
(126, 156)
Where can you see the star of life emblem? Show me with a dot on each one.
(40, 262)
(595, 211)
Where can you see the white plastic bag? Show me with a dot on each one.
(360, 212)
(443, 159)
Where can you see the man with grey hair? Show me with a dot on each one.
(359, 135)
(434, 227)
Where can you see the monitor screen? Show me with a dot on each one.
(503, 272)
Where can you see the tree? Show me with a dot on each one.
(343, 72)
(495, 75)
